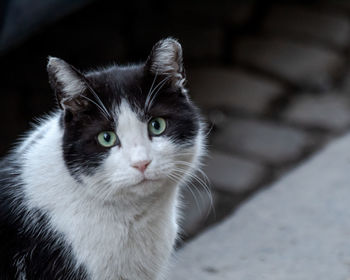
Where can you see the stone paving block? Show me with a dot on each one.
(232, 173)
(298, 63)
(345, 82)
(232, 88)
(307, 23)
(298, 228)
(266, 141)
(327, 111)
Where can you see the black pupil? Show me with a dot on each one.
(107, 137)
(156, 125)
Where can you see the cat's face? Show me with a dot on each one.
(128, 128)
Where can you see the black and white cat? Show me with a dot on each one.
(91, 192)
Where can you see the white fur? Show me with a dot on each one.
(119, 226)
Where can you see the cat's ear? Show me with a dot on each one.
(166, 60)
(68, 84)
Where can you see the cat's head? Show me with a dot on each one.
(128, 128)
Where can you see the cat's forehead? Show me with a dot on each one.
(116, 85)
(117, 81)
(145, 95)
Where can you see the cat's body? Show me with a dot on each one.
(74, 207)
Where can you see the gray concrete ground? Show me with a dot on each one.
(298, 228)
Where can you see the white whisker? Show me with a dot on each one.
(97, 99)
(150, 90)
(98, 106)
(191, 175)
(155, 91)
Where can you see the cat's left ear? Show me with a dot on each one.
(166, 60)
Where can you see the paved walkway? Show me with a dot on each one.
(298, 228)
(284, 94)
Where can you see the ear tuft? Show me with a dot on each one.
(166, 59)
(65, 80)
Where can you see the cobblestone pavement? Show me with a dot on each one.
(281, 96)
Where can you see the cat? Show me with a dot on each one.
(91, 193)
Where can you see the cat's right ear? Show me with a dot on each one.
(68, 84)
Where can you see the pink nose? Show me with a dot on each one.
(141, 165)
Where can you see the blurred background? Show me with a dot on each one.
(271, 79)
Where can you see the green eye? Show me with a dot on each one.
(107, 139)
(156, 126)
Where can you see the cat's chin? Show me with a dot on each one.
(146, 182)
(149, 185)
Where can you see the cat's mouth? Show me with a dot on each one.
(145, 180)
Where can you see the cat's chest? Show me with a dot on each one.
(114, 248)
